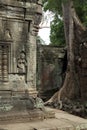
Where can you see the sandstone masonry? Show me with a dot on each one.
(19, 20)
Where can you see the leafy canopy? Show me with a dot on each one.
(57, 28)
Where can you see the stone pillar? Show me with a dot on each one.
(31, 55)
(31, 63)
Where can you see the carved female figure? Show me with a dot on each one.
(22, 63)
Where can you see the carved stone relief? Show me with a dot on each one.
(4, 49)
(19, 25)
(22, 63)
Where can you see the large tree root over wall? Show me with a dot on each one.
(74, 33)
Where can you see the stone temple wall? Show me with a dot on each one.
(50, 62)
(19, 21)
(81, 67)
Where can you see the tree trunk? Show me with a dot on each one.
(71, 86)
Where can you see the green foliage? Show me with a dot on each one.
(57, 27)
(57, 32)
(81, 9)
(52, 5)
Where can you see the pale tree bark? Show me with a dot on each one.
(70, 88)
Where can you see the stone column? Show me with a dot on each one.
(31, 54)
(31, 62)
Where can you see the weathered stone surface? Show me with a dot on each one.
(19, 21)
(49, 69)
(82, 68)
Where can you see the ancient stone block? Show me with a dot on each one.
(18, 29)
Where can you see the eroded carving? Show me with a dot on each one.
(22, 63)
